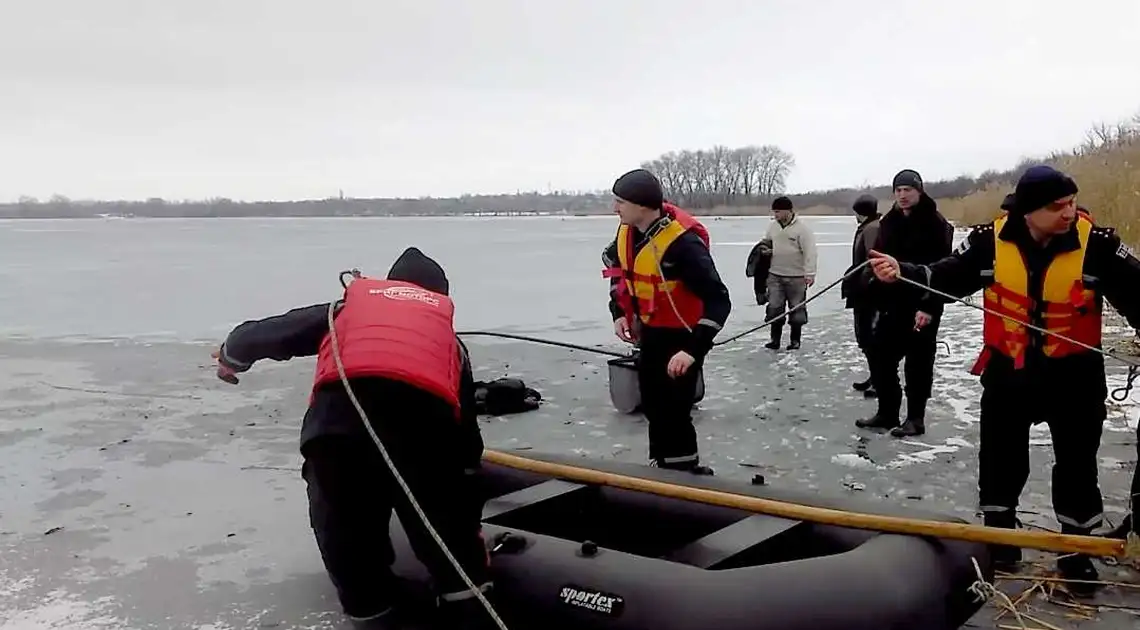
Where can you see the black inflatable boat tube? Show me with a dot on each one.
(663, 563)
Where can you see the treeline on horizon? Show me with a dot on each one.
(719, 180)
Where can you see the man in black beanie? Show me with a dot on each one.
(854, 287)
(912, 231)
(413, 377)
(1045, 264)
(667, 297)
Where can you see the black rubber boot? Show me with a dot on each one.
(794, 343)
(467, 614)
(909, 428)
(777, 331)
(887, 417)
(878, 421)
(915, 423)
(1004, 557)
(1121, 531)
(693, 467)
(382, 621)
(1078, 567)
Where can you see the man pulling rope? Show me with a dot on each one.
(1045, 270)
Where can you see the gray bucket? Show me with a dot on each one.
(625, 392)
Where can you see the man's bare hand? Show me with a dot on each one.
(224, 371)
(680, 363)
(885, 266)
(621, 329)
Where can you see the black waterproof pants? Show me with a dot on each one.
(864, 320)
(352, 495)
(668, 402)
(1075, 423)
(893, 340)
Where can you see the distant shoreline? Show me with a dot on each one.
(957, 224)
(717, 213)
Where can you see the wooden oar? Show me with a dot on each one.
(1047, 541)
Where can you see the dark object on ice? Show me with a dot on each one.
(505, 396)
(584, 557)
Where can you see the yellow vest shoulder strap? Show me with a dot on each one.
(661, 240)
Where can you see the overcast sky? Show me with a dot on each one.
(278, 99)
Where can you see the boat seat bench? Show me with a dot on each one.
(529, 496)
(706, 552)
(725, 543)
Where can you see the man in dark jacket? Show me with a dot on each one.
(854, 287)
(667, 297)
(413, 377)
(912, 231)
(1043, 258)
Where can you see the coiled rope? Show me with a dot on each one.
(396, 474)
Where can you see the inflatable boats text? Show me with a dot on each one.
(593, 600)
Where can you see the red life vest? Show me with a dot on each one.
(395, 330)
(688, 221)
(661, 303)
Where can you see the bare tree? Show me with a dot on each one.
(722, 176)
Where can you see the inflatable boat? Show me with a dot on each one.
(571, 556)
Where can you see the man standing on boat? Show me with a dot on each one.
(667, 297)
(912, 231)
(792, 271)
(854, 287)
(413, 377)
(1046, 264)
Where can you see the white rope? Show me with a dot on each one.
(788, 311)
(400, 480)
(983, 591)
(766, 323)
(668, 291)
(990, 311)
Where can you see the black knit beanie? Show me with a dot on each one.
(1008, 203)
(641, 187)
(907, 177)
(781, 203)
(865, 205)
(417, 268)
(1040, 186)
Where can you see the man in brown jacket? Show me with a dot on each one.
(866, 208)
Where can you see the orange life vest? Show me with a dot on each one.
(644, 290)
(395, 330)
(1067, 306)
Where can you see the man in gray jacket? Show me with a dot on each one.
(792, 271)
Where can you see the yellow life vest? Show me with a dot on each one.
(1067, 306)
(650, 290)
